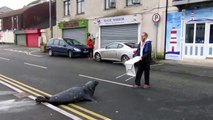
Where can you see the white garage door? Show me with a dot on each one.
(78, 34)
(119, 33)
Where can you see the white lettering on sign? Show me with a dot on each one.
(127, 19)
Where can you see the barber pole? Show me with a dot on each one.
(173, 40)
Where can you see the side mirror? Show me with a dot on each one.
(65, 45)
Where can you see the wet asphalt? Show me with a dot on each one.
(178, 91)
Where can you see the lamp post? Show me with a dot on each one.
(50, 18)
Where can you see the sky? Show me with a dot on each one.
(14, 4)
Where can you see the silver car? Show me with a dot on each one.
(116, 51)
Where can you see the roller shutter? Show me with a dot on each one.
(21, 39)
(78, 34)
(119, 33)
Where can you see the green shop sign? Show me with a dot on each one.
(73, 24)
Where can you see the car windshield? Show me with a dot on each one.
(72, 41)
(132, 45)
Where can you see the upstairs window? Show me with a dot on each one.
(132, 2)
(66, 7)
(80, 7)
(109, 4)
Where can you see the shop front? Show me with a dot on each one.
(75, 29)
(193, 34)
(118, 29)
(32, 37)
(20, 37)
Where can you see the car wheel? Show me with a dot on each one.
(97, 57)
(70, 54)
(50, 52)
(124, 58)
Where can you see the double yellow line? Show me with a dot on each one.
(75, 109)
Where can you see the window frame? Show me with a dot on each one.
(66, 7)
(132, 3)
(82, 6)
(109, 2)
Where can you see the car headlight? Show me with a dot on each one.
(77, 50)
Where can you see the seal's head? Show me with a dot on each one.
(90, 87)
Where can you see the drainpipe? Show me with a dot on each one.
(165, 30)
(50, 19)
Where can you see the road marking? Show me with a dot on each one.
(4, 58)
(30, 53)
(103, 80)
(35, 65)
(120, 76)
(29, 90)
(46, 104)
(129, 78)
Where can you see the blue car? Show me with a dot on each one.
(66, 46)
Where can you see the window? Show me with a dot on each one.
(211, 34)
(120, 46)
(112, 46)
(189, 33)
(200, 33)
(132, 2)
(61, 43)
(109, 4)
(56, 42)
(66, 7)
(80, 6)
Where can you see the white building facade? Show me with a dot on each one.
(190, 30)
(113, 20)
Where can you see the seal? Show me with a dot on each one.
(71, 95)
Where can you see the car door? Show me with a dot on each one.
(62, 48)
(109, 52)
(55, 46)
(119, 51)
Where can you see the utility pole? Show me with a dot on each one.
(50, 18)
(164, 56)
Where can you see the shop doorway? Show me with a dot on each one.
(195, 40)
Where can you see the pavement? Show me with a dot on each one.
(195, 67)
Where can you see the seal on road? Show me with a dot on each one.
(71, 95)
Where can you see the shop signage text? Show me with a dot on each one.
(127, 19)
(71, 24)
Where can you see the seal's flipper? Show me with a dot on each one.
(89, 98)
(40, 99)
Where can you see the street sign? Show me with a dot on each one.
(156, 18)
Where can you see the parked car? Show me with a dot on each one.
(116, 51)
(66, 46)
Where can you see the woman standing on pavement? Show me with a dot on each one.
(144, 50)
(90, 46)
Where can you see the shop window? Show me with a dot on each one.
(66, 7)
(80, 7)
(189, 33)
(200, 33)
(132, 2)
(110, 4)
(211, 34)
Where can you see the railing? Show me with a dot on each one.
(182, 2)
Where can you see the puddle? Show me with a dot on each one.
(13, 105)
